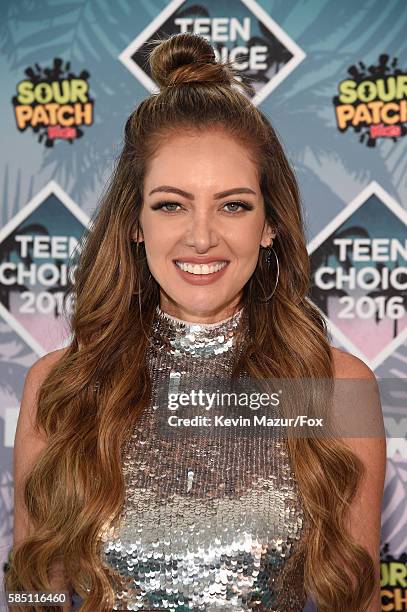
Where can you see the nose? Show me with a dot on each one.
(201, 233)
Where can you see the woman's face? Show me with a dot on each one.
(192, 174)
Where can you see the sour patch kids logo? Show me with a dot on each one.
(373, 101)
(54, 102)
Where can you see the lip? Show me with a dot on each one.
(200, 279)
(199, 260)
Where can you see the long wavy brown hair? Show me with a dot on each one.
(92, 397)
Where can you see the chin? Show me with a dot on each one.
(201, 307)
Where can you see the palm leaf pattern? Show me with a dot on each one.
(331, 167)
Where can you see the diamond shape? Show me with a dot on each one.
(35, 246)
(241, 29)
(359, 275)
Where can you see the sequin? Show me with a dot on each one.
(208, 523)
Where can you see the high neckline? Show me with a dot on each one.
(193, 338)
(162, 314)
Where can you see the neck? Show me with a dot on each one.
(194, 339)
(202, 324)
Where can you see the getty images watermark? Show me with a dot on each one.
(245, 406)
(255, 401)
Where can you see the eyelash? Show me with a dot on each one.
(161, 205)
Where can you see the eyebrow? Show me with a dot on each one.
(190, 196)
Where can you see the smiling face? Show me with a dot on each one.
(213, 212)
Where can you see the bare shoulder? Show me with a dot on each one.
(35, 376)
(29, 441)
(41, 367)
(347, 365)
(47, 361)
(370, 448)
(358, 406)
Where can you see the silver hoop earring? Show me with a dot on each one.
(268, 259)
(141, 290)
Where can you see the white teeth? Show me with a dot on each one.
(201, 269)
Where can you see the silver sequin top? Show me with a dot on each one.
(210, 522)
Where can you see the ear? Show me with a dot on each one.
(268, 235)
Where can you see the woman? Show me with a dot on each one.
(195, 266)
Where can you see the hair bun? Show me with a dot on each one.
(187, 58)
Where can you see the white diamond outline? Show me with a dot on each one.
(373, 188)
(298, 55)
(51, 188)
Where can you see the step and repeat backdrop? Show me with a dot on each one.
(332, 78)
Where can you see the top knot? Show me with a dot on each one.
(187, 58)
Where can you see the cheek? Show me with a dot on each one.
(245, 244)
(159, 255)
(158, 240)
(246, 251)
(245, 233)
